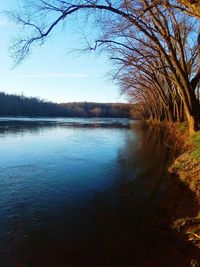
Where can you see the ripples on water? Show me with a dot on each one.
(81, 192)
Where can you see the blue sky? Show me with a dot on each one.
(51, 72)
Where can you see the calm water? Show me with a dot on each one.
(85, 192)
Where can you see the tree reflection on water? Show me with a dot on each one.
(138, 230)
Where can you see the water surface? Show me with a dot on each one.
(86, 192)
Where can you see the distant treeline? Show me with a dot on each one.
(20, 105)
(90, 109)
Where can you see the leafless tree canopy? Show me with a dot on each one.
(154, 46)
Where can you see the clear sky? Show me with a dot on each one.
(51, 72)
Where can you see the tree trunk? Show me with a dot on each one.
(192, 122)
(191, 108)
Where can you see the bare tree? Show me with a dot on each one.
(156, 24)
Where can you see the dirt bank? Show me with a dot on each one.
(187, 168)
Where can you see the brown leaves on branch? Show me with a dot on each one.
(193, 6)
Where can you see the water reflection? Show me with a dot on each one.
(137, 230)
(90, 197)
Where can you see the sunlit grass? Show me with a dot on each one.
(196, 141)
(182, 126)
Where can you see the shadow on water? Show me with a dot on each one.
(136, 231)
(129, 223)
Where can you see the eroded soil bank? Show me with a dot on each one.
(185, 169)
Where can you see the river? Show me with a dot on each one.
(89, 192)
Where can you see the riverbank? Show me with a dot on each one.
(187, 164)
(186, 167)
